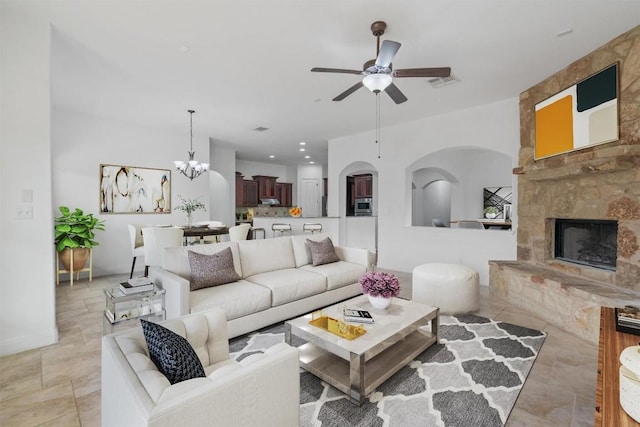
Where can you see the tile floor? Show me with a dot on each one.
(59, 385)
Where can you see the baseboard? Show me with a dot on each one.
(28, 342)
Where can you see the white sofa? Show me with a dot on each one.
(278, 281)
(261, 390)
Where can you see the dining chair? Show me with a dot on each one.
(156, 239)
(137, 244)
(437, 222)
(239, 232)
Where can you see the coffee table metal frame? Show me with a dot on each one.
(357, 367)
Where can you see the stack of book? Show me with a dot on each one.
(138, 284)
(358, 316)
(628, 320)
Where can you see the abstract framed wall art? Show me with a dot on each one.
(580, 116)
(130, 189)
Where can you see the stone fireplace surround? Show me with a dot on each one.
(600, 182)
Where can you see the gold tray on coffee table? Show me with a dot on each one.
(332, 325)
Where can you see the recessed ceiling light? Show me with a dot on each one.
(307, 157)
(311, 162)
(272, 156)
(303, 149)
(303, 143)
(317, 100)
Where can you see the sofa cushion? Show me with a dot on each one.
(339, 273)
(171, 353)
(322, 252)
(300, 248)
(263, 255)
(237, 299)
(176, 260)
(290, 284)
(212, 270)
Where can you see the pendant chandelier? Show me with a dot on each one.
(192, 168)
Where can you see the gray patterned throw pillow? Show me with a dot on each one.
(171, 353)
(322, 252)
(212, 270)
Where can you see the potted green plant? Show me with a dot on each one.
(491, 212)
(75, 232)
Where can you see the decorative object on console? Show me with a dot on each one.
(189, 206)
(171, 353)
(491, 212)
(628, 319)
(191, 168)
(580, 116)
(380, 287)
(132, 189)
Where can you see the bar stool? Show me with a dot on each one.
(311, 227)
(255, 230)
(281, 227)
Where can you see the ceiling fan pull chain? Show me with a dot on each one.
(378, 123)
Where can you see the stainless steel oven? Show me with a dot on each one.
(363, 207)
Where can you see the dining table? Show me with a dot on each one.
(200, 231)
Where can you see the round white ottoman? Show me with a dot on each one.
(451, 287)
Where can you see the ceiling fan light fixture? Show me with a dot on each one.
(377, 82)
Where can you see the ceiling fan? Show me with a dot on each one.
(378, 73)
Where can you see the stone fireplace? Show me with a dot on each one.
(600, 186)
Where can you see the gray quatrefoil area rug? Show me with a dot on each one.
(471, 378)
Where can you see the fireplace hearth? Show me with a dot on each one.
(587, 242)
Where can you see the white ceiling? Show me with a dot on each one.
(247, 63)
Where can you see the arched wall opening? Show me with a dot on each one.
(448, 185)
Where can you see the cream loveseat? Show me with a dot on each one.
(261, 390)
(278, 281)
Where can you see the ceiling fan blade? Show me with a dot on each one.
(423, 72)
(395, 94)
(348, 92)
(335, 70)
(387, 51)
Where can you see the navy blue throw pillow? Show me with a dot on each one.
(171, 353)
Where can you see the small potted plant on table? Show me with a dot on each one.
(380, 287)
(491, 212)
(190, 206)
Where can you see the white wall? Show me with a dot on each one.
(222, 182)
(27, 285)
(80, 143)
(400, 246)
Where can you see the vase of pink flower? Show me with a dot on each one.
(380, 287)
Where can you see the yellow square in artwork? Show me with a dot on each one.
(554, 128)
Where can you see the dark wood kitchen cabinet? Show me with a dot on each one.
(251, 198)
(284, 193)
(363, 185)
(266, 186)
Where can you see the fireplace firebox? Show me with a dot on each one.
(587, 242)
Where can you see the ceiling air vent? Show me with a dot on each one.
(261, 129)
(443, 81)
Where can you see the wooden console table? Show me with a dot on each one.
(608, 409)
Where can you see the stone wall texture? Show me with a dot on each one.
(600, 182)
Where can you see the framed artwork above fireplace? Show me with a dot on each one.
(580, 116)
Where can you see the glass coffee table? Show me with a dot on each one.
(121, 308)
(356, 367)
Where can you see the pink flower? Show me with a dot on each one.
(380, 283)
